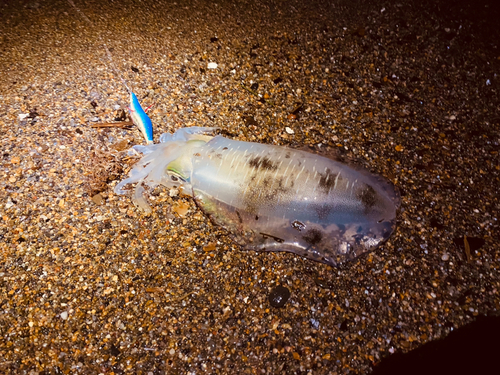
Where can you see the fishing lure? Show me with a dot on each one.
(138, 115)
(140, 118)
(272, 198)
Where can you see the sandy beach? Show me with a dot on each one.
(90, 284)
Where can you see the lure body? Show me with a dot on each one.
(273, 198)
(140, 118)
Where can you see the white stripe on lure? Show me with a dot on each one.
(272, 198)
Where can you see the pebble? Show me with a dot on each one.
(97, 199)
(279, 296)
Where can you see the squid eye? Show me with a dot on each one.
(176, 177)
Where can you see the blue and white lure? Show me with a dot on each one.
(272, 198)
(140, 118)
(138, 115)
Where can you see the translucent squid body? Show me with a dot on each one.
(272, 198)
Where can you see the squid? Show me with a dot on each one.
(271, 198)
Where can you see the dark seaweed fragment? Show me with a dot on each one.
(475, 243)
